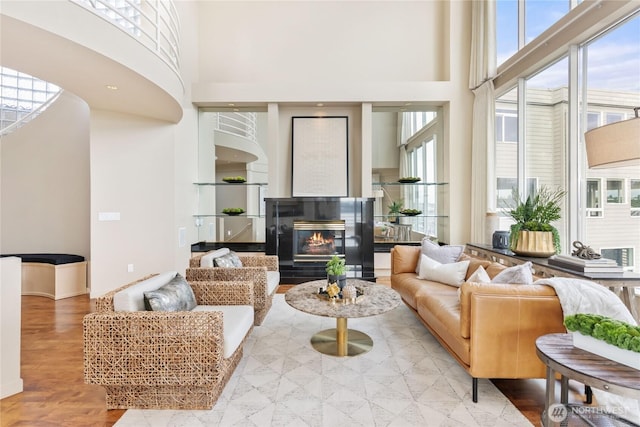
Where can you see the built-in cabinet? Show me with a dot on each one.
(429, 216)
(215, 225)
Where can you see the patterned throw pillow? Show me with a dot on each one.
(517, 275)
(176, 295)
(229, 260)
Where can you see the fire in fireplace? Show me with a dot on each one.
(318, 241)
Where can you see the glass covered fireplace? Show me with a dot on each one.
(318, 241)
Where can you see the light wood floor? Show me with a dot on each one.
(52, 370)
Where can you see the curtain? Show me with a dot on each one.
(482, 70)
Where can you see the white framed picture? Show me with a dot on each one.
(320, 156)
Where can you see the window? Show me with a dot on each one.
(506, 126)
(615, 191)
(634, 196)
(504, 193)
(623, 256)
(593, 120)
(594, 198)
(613, 117)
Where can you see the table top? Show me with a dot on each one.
(377, 299)
(557, 351)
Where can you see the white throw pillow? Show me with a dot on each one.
(207, 259)
(452, 274)
(443, 254)
(517, 275)
(479, 276)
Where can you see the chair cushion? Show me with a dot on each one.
(207, 259)
(176, 295)
(237, 322)
(273, 280)
(132, 298)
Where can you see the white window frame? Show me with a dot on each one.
(631, 258)
(634, 212)
(596, 212)
(623, 191)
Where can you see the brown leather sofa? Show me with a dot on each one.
(489, 328)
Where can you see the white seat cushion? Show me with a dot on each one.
(132, 298)
(273, 280)
(207, 259)
(238, 320)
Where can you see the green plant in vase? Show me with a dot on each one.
(394, 210)
(535, 214)
(336, 269)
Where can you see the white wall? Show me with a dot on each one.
(45, 182)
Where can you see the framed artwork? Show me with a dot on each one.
(320, 157)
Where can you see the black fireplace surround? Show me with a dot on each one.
(306, 231)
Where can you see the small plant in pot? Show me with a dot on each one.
(394, 210)
(336, 269)
(532, 234)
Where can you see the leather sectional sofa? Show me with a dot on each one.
(489, 328)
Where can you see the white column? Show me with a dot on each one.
(10, 307)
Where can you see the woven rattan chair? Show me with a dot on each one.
(262, 270)
(163, 360)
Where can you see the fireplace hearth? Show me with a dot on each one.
(305, 232)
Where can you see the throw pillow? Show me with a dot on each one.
(229, 260)
(479, 276)
(207, 259)
(452, 274)
(443, 254)
(176, 295)
(517, 275)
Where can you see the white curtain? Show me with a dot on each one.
(481, 72)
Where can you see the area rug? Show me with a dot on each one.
(407, 379)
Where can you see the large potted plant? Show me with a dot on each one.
(336, 271)
(532, 234)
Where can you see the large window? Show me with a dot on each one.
(571, 89)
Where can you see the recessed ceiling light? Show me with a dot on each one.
(112, 87)
(319, 104)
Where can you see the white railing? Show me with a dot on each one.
(154, 23)
(22, 98)
(236, 123)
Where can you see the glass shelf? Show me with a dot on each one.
(260, 184)
(413, 216)
(227, 216)
(410, 183)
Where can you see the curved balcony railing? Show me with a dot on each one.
(236, 123)
(154, 23)
(22, 98)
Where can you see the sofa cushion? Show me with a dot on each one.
(131, 298)
(207, 259)
(237, 321)
(518, 275)
(405, 259)
(474, 263)
(176, 295)
(451, 274)
(273, 280)
(443, 254)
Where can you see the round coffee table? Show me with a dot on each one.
(341, 341)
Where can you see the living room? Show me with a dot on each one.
(139, 154)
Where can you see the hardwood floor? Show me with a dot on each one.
(52, 370)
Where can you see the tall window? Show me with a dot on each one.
(615, 191)
(634, 196)
(594, 198)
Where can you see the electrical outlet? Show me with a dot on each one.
(129, 268)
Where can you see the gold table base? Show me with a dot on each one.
(341, 341)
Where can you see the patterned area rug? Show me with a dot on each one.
(407, 379)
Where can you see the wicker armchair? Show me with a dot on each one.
(262, 270)
(164, 360)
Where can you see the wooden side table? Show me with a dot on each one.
(560, 356)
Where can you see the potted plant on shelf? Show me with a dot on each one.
(532, 234)
(394, 210)
(336, 269)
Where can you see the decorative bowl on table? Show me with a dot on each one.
(339, 299)
(410, 212)
(234, 179)
(232, 211)
(409, 179)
